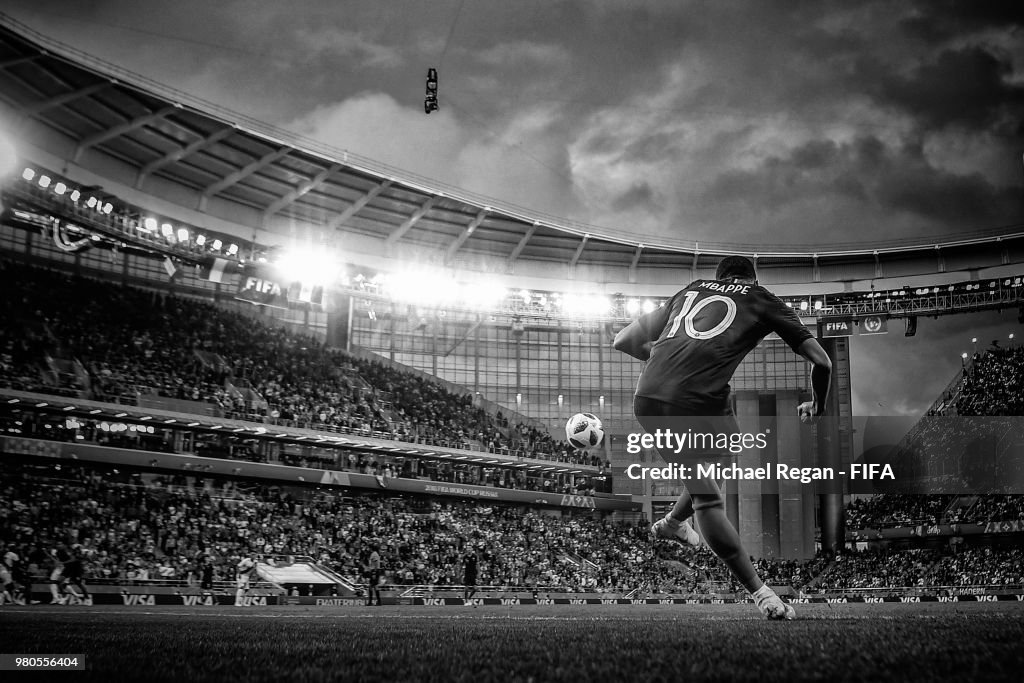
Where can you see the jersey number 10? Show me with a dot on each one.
(689, 313)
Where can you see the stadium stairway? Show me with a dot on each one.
(820, 576)
(959, 503)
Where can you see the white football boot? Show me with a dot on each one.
(684, 533)
(772, 606)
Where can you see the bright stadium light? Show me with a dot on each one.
(167, 230)
(310, 266)
(422, 286)
(91, 202)
(183, 234)
(632, 306)
(232, 249)
(200, 240)
(647, 306)
(75, 194)
(482, 295)
(217, 244)
(107, 208)
(28, 173)
(44, 181)
(525, 295)
(60, 188)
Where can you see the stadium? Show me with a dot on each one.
(271, 409)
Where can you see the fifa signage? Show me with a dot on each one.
(262, 291)
(837, 327)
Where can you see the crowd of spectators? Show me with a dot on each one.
(151, 526)
(133, 342)
(878, 568)
(980, 566)
(994, 384)
(894, 511)
(891, 510)
(192, 530)
(958, 566)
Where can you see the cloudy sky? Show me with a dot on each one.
(754, 122)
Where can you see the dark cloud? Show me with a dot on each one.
(939, 20)
(639, 195)
(890, 180)
(967, 87)
(655, 147)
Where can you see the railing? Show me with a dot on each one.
(220, 585)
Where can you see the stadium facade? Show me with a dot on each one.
(182, 162)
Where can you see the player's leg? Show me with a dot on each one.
(86, 596)
(240, 588)
(724, 541)
(675, 524)
(55, 591)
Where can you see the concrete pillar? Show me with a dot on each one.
(751, 526)
(794, 542)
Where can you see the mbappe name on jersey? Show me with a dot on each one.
(725, 289)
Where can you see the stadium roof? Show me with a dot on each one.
(202, 158)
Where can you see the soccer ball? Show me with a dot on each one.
(584, 431)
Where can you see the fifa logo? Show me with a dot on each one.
(263, 286)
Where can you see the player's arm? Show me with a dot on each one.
(637, 338)
(821, 378)
(785, 322)
(634, 341)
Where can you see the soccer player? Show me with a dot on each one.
(373, 576)
(59, 556)
(74, 574)
(244, 571)
(469, 575)
(692, 345)
(13, 591)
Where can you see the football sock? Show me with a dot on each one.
(762, 594)
(723, 540)
(682, 510)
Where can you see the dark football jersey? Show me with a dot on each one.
(703, 333)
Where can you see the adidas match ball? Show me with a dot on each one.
(584, 431)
